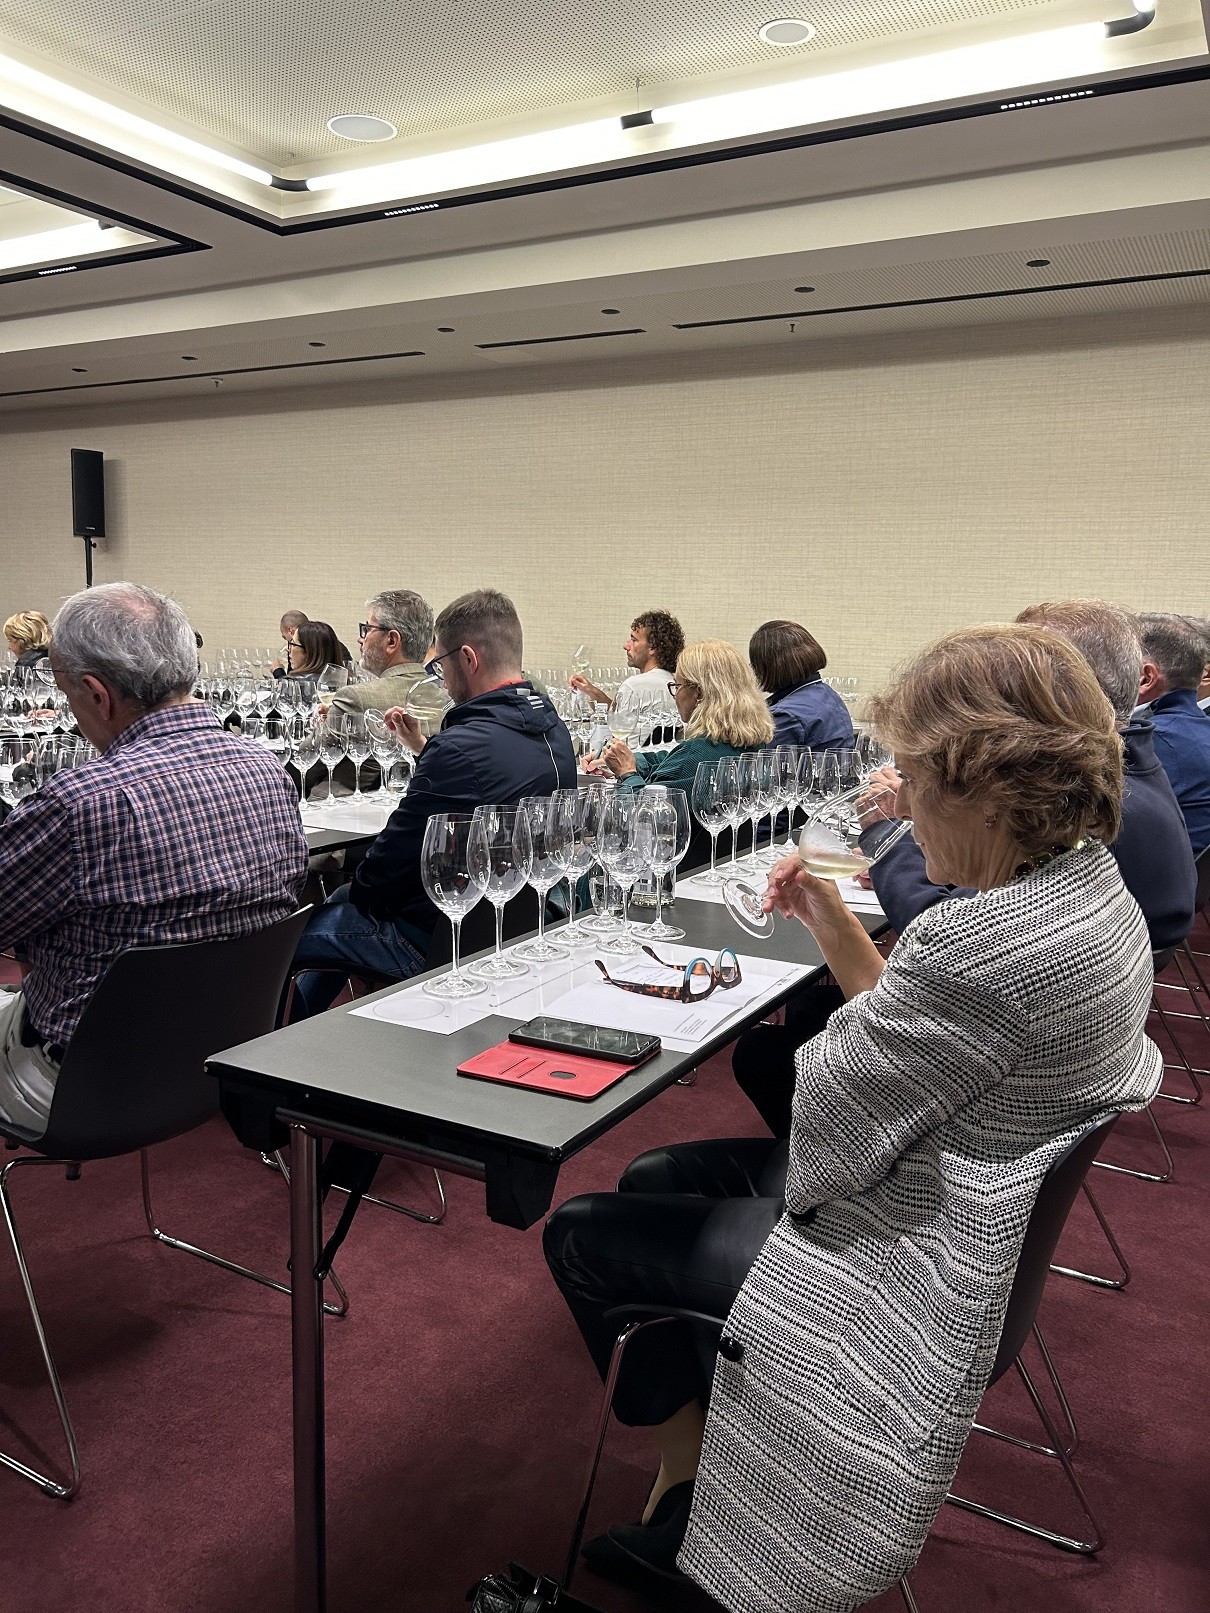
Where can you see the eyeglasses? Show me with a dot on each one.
(364, 629)
(701, 977)
(675, 687)
(433, 665)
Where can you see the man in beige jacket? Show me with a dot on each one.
(395, 637)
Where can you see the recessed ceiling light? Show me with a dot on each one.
(803, 290)
(446, 330)
(786, 31)
(189, 358)
(611, 310)
(317, 344)
(361, 126)
(1038, 263)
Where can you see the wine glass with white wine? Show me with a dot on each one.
(829, 847)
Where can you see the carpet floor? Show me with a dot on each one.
(460, 1403)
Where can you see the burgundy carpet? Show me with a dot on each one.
(460, 1403)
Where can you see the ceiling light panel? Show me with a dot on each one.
(264, 75)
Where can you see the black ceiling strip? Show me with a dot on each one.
(83, 205)
(208, 375)
(102, 260)
(928, 302)
(544, 341)
(633, 170)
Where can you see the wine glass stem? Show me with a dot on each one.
(328, 765)
(659, 901)
(571, 901)
(456, 927)
(356, 780)
(499, 932)
(625, 889)
(713, 852)
(542, 890)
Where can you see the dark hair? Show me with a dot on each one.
(318, 647)
(1176, 646)
(783, 655)
(664, 637)
(487, 621)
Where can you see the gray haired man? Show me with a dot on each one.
(395, 638)
(175, 832)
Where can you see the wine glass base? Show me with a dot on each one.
(541, 951)
(600, 924)
(453, 987)
(493, 968)
(660, 932)
(620, 945)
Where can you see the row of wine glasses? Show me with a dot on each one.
(26, 763)
(494, 852)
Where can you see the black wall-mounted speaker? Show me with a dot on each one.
(87, 493)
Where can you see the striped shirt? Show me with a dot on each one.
(179, 832)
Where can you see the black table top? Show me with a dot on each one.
(399, 1084)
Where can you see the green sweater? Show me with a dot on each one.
(676, 768)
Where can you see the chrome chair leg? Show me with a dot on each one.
(1185, 1067)
(1093, 1277)
(45, 1483)
(909, 1599)
(341, 1309)
(1143, 1176)
(1057, 1449)
(383, 1204)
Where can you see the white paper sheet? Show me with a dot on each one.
(368, 817)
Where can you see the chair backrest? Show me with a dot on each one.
(479, 928)
(1049, 1215)
(133, 1074)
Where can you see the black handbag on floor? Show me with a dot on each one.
(519, 1591)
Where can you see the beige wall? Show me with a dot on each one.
(881, 492)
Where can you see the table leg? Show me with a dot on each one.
(306, 1337)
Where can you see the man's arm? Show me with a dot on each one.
(37, 869)
(899, 879)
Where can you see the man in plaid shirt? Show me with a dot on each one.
(177, 832)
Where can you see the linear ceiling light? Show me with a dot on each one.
(72, 241)
(65, 98)
(969, 71)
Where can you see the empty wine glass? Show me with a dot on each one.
(663, 827)
(547, 842)
(621, 855)
(766, 800)
(746, 768)
(575, 847)
(445, 873)
(304, 747)
(385, 746)
(266, 696)
(828, 847)
(245, 698)
(331, 753)
(785, 796)
(712, 806)
(501, 853)
(330, 680)
(19, 768)
(352, 725)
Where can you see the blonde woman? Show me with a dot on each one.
(28, 635)
(723, 711)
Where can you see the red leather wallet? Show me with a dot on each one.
(570, 1075)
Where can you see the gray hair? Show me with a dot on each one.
(1177, 646)
(134, 640)
(1106, 636)
(401, 611)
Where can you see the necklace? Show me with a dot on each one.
(1032, 864)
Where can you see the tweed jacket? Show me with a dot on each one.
(398, 685)
(925, 1117)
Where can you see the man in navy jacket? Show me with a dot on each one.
(1152, 851)
(501, 740)
(1174, 660)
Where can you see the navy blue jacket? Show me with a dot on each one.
(1182, 743)
(1152, 852)
(491, 750)
(813, 714)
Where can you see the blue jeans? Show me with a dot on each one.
(339, 937)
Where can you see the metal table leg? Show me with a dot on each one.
(306, 1337)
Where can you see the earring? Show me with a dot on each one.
(991, 821)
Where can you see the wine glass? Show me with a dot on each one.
(749, 796)
(266, 697)
(575, 847)
(445, 873)
(501, 853)
(663, 826)
(19, 768)
(547, 841)
(385, 746)
(711, 806)
(330, 680)
(305, 748)
(396, 777)
(621, 855)
(245, 698)
(331, 752)
(785, 796)
(579, 659)
(352, 725)
(828, 847)
(766, 798)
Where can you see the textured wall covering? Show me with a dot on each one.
(881, 493)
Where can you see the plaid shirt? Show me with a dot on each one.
(179, 832)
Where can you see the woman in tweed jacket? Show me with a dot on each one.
(862, 1323)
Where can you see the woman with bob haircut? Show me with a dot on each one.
(787, 661)
(28, 635)
(864, 1265)
(313, 647)
(723, 713)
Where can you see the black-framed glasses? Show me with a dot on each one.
(699, 978)
(364, 629)
(676, 686)
(433, 665)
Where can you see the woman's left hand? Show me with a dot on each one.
(795, 893)
(619, 758)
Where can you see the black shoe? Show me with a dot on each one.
(648, 1547)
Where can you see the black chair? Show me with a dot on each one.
(1159, 962)
(1051, 1208)
(134, 1075)
(1193, 984)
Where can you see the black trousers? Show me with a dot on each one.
(763, 1059)
(682, 1230)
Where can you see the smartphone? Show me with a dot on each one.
(593, 1041)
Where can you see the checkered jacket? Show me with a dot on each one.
(925, 1117)
(178, 832)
